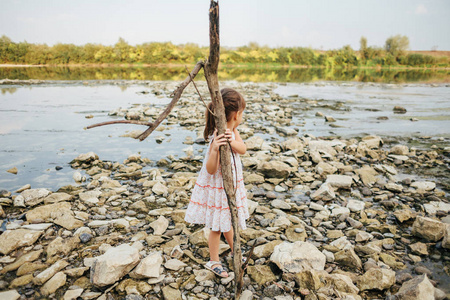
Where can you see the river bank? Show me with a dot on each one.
(369, 206)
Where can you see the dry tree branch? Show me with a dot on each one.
(198, 92)
(152, 125)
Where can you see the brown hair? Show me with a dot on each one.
(233, 102)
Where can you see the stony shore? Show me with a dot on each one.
(331, 218)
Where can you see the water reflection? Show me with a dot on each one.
(244, 74)
(10, 90)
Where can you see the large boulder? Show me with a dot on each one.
(275, 169)
(298, 256)
(149, 266)
(113, 265)
(31, 197)
(12, 239)
(428, 228)
(419, 288)
(59, 213)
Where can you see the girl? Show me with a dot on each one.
(208, 204)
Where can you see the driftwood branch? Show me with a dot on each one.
(198, 92)
(120, 122)
(210, 68)
(152, 126)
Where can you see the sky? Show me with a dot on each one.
(320, 24)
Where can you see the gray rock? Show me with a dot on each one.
(31, 197)
(113, 265)
(418, 288)
(340, 181)
(298, 256)
(324, 193)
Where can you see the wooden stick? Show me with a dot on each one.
(176, 96)
(119, 122)
(198, 92)
(210, 68)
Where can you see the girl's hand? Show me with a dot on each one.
(228, 135)
(218, 140)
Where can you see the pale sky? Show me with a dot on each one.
(320, 24)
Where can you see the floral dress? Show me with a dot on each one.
(208, 204)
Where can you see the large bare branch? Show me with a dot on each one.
(176, 96)
(153, 125)
(210, 68)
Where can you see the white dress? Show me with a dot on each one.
(208, 204)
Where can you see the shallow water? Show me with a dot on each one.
(41, 126)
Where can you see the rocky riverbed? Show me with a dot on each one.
(332, 218)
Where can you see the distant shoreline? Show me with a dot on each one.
(109, 65)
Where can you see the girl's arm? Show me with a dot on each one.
(213, 160)
(237, 144)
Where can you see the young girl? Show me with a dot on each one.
(208, 204)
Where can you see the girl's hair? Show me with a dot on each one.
(233, 102)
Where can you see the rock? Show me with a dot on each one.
(399, 110)
(59, 213)
(298, 256)
(77, 177)
(403, 215)
(9, 295)
(419, 288)
(57, 281)
(367, 175)
(428, 228)
(292, 144)
(48, 273)
(419, 248)
(21, 281)
(254, 178)
(286, 130)
(324, 168)
(72, 294)
(246, 295)
(57, 197)
(324, 193)
(337, 211)
(21, 189)
(85, 158)
(261, 274)
(85, 237)
(90, 197)
(355, 205)
(340, 181)
(29, 257)
(160, 189)
(12, 170)
(200, 237)
(322, 146)
(12, 239)
(280, 204)
(399, 150)
(434, 206)
(31, 197)
(446, 240)
(64, 246)
(393, 187)
(252, 205)
(376, 278)
(275, 169)
(266, 249)
(424, 185)
(169, 293)
(160, 225)
(203, 275)
(254, 143)
(113, 265)
(329, 119)
(174, 264)
(148, 267)
(347, 257)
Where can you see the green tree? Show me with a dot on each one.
(397, 45)
(363, 51)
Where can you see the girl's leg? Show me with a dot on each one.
(229, 237)
(213, 243)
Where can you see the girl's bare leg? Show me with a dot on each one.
(213, 243)
(229, 237)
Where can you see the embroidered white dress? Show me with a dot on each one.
(208, 204)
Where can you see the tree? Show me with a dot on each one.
(397, 45)
(363, 51)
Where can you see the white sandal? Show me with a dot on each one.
(217, 270)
